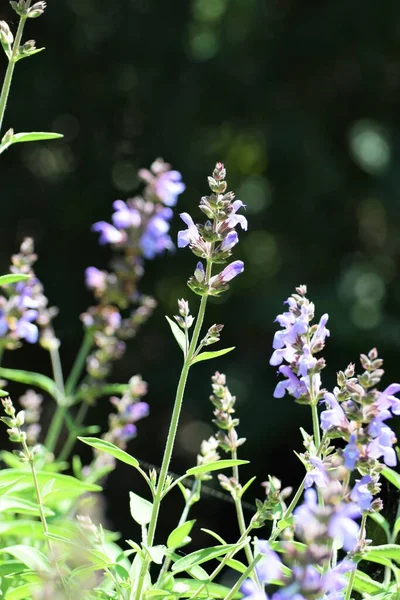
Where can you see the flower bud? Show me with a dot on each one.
(6, 36)
(19, 7)
(199, 273)
(36, 10)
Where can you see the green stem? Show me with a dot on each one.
(250, 569)
(79, 363)
(5, 90)
(289, 509)
(316, 429)
(222, 564)
(30, 458)
(172, 434)
(71, 439)
(353, 573)
(240, 517)
(57, 421)
(185, 513)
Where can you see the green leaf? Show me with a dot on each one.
(186, 587)
(22, 592)
(179, 536)
(109, 448)
(197, 572)
(13, 278)
(364, 584)
(22, 507)
(246, 486)
(141, 509)
(391, 476)
(381, 521)
(214, 535)
(200, 556)
(65, 486)
(386, 551)
(31, 378)
(156, 553)
(216, 466)
(209, 355)
(177, 333)
(28, 54)
(33, 136)
(33, 558)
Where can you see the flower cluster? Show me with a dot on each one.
(357, 412)
(31, 402)
(139, 231)
(297, 343)
(24, 311)
(130, 409)
(213, 241)
(320, 528)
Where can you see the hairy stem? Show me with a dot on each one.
(185, 513)
(5, 90)
(240, 518)
(172, 433)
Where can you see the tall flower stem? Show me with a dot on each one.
(5, 90)
(250, 569)
(195, 491)
(315, 420)
(74, 431)
(172, 433)
(58, 419)
(79, 363)
(353, 573)
(240, 518)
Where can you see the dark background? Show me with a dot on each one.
(300, 99)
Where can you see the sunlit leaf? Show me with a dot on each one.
(31, 557)
(111, 449)
(363, 583)
(179, 536)
(13, 278)
(391, 476)
(209, 355)
(186, 587)
(140, 508)
(200, 556)
(31, 378)
(177, 333)
(216, 466)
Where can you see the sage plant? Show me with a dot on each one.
(311, 542)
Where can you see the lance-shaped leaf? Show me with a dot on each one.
(216, 466)
(111, 449)
(33, 136)
(140, 508)
(210, 355)
(13, 278)
(177, 333)
(205, 554)
(179, 536)
(31, 378)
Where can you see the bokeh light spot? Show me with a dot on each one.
(124, 176)
(255, 192)
(369, 146)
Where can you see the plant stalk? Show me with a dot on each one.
(5, 90)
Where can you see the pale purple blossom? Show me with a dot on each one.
(270, 566)
(190, 235)
(382, 446)
(95, 279)
(342, 528)
(235, 268)
(229, 241)
(125, 216)
(235, 219)
(351, 453)
(318, 475)
(387, 399)
(155, 238)
(335, 416)
(168, 186)
(108, 233)
(360, 493)
(292, 384)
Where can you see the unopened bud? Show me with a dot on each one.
(6, 36)
(19, 7)
(219, 172)
(183, 306)
(36, 10)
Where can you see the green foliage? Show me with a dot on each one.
(111, 449)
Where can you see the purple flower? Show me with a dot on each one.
(335, 417)
(342, 528)
(270, 566)
(306, 361)
(108, 233)
(235, 268)
(292, 385)
(235, 219)
(155, 239)
(351, 453)
(288, 354)
(25, 329)
(334, 580)
(388, 400)
(318, 475)
(124, 216)
(135, 412)
(199, 272)
(318, 339)
(189, 235)
(230, 240)
(382, 446)
(360, 493)
(306, 523)
(168, 186)
(251, 591)
(125, 434)
(95, 279)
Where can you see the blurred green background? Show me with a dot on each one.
(300, 99)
